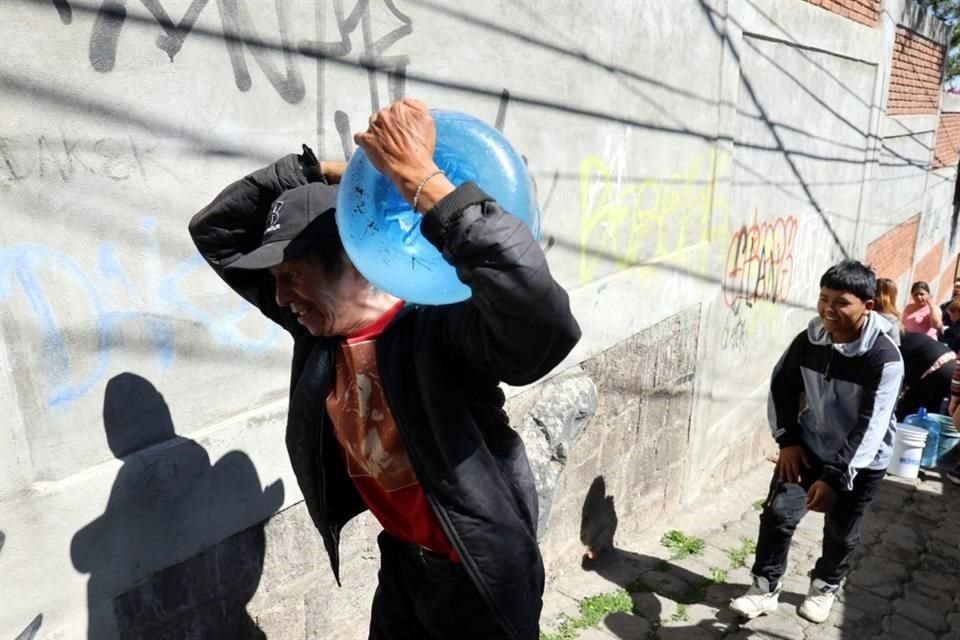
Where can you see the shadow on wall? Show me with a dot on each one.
(167, 503)
(659, 590)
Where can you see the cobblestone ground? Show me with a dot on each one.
(905, 584)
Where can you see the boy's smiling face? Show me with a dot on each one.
(842, 313)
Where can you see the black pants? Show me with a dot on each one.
(424, 596)
(783, 511)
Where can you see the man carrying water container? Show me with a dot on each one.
(396, 408)
(832, 397)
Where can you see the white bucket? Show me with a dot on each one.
(907, 451)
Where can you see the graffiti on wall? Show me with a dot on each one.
(758, 274)
(759, 262)
(66, 157)
(241, 32)
(114, 298)
(742, 324)
(115, 302)
(630, 222)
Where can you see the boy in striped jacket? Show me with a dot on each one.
(831, 411)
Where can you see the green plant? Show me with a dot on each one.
(698, 592)
(564, 630)
(738, 555)
(758, 504)
(680, 615)
(949, 12)
(682, 545)
(592, 609)
(717, 575)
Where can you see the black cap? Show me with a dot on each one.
(296, 220)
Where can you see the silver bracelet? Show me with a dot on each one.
(416, 194)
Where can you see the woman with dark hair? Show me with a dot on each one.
(951, 334)
(885, 303)
(921, 315)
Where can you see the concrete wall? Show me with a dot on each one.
(700, 163)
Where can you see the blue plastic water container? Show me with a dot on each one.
(931, 448)
(381, 232)
(949, 436)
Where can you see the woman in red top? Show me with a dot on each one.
(921, 315)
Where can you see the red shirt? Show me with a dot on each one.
(375, 455)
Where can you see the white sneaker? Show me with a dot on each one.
(816, 606)
(758, 600)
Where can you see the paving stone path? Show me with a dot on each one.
(905, 584)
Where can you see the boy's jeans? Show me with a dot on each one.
(783, 511)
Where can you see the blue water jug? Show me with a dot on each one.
(381, 231)
(932, 427)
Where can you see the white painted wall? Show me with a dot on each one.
(660, 133)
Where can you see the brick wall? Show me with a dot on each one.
(948, 141)
(891, 254)
(862, 11)
(915, 74)
(928, 269)
(945, 290)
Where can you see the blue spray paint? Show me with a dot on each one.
(114, 301)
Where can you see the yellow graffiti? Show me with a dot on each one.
(651, 220)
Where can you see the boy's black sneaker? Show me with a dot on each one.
(954, 475)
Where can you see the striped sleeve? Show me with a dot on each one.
(881, 388)
(786, 388)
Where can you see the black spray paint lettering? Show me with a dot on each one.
(342, 122)
(502, 112)
(546, 242)
(238, 27)
(14, 171)
(372, 58)
(65, 158)
(372, 55)
(31, 631)
(237, 23)
(64, 11)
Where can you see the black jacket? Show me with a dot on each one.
(440, 368)
(919, 352)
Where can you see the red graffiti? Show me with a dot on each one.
(759, 262)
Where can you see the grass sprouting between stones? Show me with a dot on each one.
(681, 545)
(698, 592)
(593, 609)
(680, 615)
(738, 555)
(718, 575)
